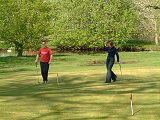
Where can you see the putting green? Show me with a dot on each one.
(82, 93)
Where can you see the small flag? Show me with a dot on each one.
(131, 97)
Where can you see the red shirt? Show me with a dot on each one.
(45, 54)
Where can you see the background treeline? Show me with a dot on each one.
(78, 24)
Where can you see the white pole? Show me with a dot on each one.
(131, 107)
(131, 104)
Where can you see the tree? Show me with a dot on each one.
(149, 12)
(86, 24)
(23, 22)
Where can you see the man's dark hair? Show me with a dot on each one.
(43, 39)
(110, 42)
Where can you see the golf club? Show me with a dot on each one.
(37, 73)
(57, 80)
(120, 69)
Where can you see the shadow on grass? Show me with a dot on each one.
(14, 70)
(77, 95)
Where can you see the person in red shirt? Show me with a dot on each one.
(45, 55)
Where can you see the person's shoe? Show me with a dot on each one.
(107, 81)
(45, 82)
(114, 80)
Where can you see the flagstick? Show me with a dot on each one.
(131, 107)
(57, 80)
(131, 104)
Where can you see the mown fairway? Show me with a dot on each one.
(82, 93)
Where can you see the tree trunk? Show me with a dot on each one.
(19, 49)
(156, 33)
(20, 53)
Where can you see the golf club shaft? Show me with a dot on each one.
(120, 69)
(57, 80)
(37, 72)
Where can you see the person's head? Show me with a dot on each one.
(109, 44)
(44, 44)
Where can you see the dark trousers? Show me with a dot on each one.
(110, 74)
(44, 70)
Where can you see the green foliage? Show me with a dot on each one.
(149, 15)
(23, 22)
(89, 23)
(77, 24)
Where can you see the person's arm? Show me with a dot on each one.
(50, 53)
(104, 48)
(50, 59)
(37, 56)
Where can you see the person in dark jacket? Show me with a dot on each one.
(112, 51)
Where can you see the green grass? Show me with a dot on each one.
(82, 94)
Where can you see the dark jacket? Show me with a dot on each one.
(111, 52)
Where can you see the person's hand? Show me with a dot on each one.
(35, 61)
(49, 62)
(119, 62)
